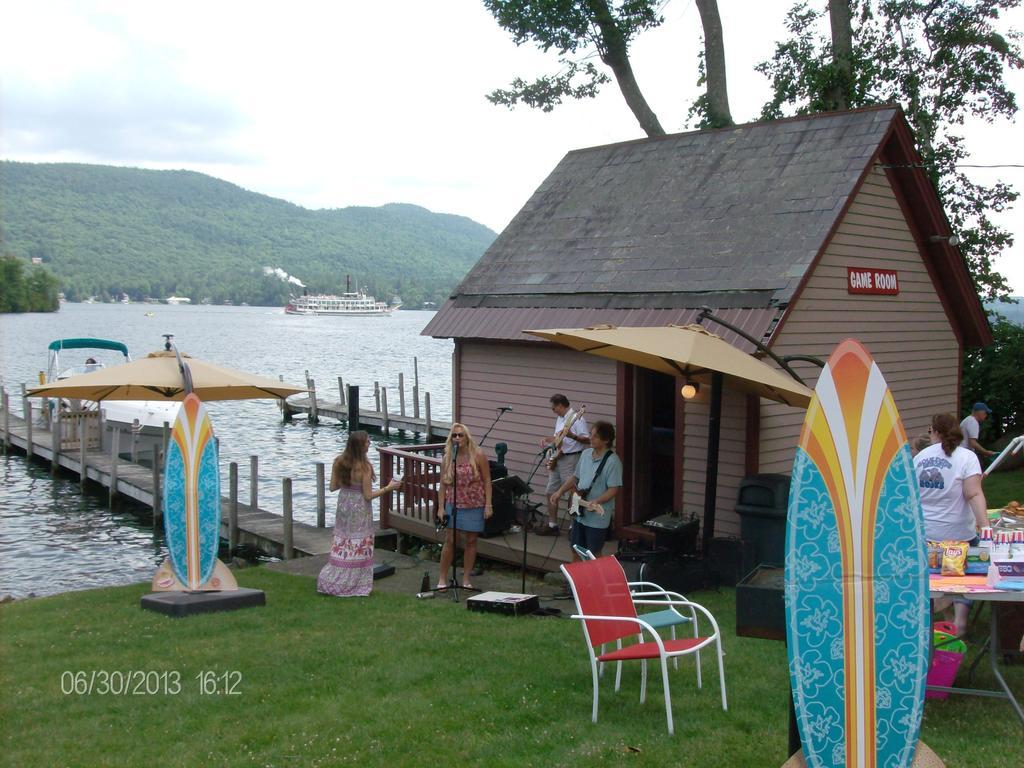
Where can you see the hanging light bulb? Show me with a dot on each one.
(689, 390)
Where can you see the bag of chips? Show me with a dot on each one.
(954, 558)
(934, 555)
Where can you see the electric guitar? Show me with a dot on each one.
(555, 448)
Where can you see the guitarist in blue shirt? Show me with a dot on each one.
(597, 481)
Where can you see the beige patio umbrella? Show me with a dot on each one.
(699, 356)
(162, 376)
(689, 351)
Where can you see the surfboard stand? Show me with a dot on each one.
(179, 604)
(924, 757)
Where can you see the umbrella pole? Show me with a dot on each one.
(711, 477)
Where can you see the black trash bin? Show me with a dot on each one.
(761, 505)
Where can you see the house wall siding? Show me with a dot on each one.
(909, 335)
(525, 376)
(731, 459)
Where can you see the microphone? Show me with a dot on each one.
(504, 408)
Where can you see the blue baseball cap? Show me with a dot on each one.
(981, 407)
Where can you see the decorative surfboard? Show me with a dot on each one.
(857, 621)
(192, 506)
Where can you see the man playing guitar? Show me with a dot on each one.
(571, 436)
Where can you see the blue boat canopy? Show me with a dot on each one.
(116, 346)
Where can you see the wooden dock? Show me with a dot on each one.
(315, 405)
(273, 534)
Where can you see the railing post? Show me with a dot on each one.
(386, 471)
(232, 507)
(341, 392)
(83, 455)
(314, 416)
(158, 501)
(426, 410)
(286, 504)
(115, 450)
(401, 394)
(384, 408)
(321, 500)
(353, 407)
(254, 481)
(29, 447)
(55, 441)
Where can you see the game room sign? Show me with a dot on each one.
(880, 282)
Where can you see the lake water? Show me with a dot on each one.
(54, 539)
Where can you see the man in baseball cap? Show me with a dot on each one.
(971, 427)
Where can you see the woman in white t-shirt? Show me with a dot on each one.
(949, 479)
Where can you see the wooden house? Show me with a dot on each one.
(799, 232)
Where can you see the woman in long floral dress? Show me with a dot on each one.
(349, 569)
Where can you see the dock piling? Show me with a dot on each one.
(6, 404)
(115, 451)
(384, 409)
(376, 396)
(401, 394)
(321, 499)
(415, 387)
(426, 412)
(254, 481)
(314, 416)
(158, 510)
(166, 437)
(341, 392)
(353, 408)
(83, 458)
(55, 442)
(29, 445)
(232, 507)
(286, 517)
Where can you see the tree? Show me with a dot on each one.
(944, 61)
(571, 27)
(715, 107)
(993, 375)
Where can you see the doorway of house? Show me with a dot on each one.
(657, 464)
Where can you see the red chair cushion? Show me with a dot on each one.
(650, 650)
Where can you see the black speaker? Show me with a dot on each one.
(501, 502)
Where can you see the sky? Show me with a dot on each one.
(331, 104)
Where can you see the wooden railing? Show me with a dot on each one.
(74, 425)
(420, 466)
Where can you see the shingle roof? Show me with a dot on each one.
(738, 209)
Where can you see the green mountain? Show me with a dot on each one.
(104, 231)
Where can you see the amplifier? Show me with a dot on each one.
(508, 603)
(674, 533)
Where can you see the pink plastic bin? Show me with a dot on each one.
(945, 665)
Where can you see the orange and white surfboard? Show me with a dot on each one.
(857, 621)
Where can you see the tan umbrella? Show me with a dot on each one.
(689, 351)
(699, 356)
(158, 376)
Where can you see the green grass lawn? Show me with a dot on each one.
(393, 681)
(1002, 487)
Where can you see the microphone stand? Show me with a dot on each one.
(501, 412)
